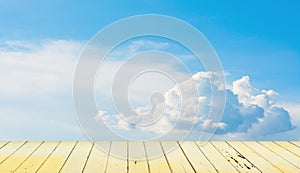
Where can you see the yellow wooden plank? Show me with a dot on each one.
(137, 157)
(37, 158)
(297, 143)
(176, 158)
(117, 159)
(149, 156)
(12, 163)
(9, 149)
(77, 159)
(283, 153)
(57, 159)
(290, 147)
(96, 162)
(196, 157)
(156, 159)
(259, 161)
(277, 161)
(237, 159)
(2, 144)
(219, 162)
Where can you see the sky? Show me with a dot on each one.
(257, 44)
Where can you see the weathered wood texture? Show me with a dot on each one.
(150, 157)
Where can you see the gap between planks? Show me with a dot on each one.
(150, 157)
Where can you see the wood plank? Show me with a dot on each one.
(57, 159)
(97, 160)
(235, 158)
(277, 161)
(78, 157)
(283, 153)
(156, 159)
(215, 157)
(2, 144)
(260, 162)
(137, 157)
(290, 147)
(37, 158)
(297, 143)
(9, 149)
(12, 163)
(117, 159)
(176, 158)
(196, 157)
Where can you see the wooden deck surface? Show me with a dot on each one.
(172, 157)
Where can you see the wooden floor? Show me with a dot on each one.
(73, 157)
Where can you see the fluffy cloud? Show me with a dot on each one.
(276, 120)
(249, 112)
(249, 95)
(269, 119)
(35, 97)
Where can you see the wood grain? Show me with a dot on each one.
(149, 157)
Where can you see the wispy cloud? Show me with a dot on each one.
(136, 45)
(35, 90)
(42, 69)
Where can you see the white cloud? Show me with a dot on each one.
(209, 124)
(36, 90)
(170, 109)
(136, 45)
(249, 113)
(37, 69)
(256, 112)
(249, 95)
(275, 120)
(294, 110)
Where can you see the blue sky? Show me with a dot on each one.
(263, 34)
(259, 39)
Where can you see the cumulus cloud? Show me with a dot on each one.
(269, 119)
(249, 112)
(35, 92)
(275, 120)
(248, 95)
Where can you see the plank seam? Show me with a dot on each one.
(108, 155)
(48, 156)
(206, 157)
(186, 157)
(277, 154)
(5, 144)
(244, 156)
(294, 144)
(88, 156)
(223, 156)
(146, 157)
(13, 152)
(285, 148)
(68, 157)
(28, 156)
(127, 143)
(166, 157)
(262, 156)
